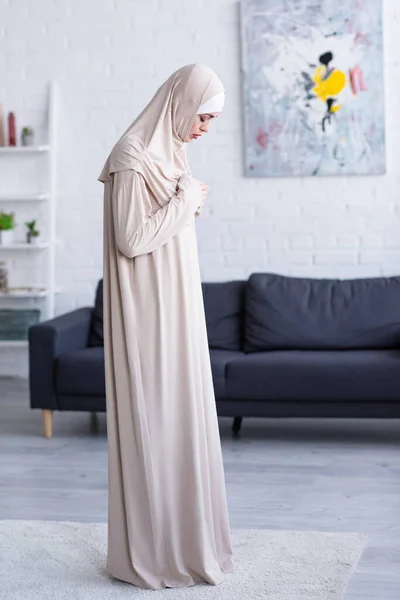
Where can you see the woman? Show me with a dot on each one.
(167, 519)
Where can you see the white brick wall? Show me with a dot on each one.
(109, 57)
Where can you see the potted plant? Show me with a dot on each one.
(27, 136)
(32, 235)
(6, 227)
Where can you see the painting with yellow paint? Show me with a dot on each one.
(313, 87)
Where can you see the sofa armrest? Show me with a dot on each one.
(47, 340)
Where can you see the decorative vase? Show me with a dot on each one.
(6, 236)
(2, 133)
(12, 139)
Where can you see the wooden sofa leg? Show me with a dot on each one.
(47, 423)
(237, 423)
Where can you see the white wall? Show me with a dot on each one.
(109, 57)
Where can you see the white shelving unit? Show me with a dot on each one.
(45, 293)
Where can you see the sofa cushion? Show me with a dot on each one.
(81, 372)
(96, 336)
(316, 314)
(219, 362)
(223, 305)
(315, 375)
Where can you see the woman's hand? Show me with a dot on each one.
(204, 191)
(189, 183)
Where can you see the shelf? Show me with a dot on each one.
(27, 293)
(13, 343)
(24, 197)
(35, 292)
(24, 246)
(23, 149)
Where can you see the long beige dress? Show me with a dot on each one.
(168, 520)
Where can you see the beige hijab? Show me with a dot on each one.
(154, 144)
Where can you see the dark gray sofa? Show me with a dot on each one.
(279, 346)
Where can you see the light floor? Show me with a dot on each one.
(328, 475)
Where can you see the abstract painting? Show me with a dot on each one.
(313, 87)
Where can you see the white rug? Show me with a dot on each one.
(43, 560)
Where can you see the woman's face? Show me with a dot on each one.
(201, 125)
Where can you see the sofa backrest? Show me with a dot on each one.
(298, 313)
(224, 310)
(96, 335)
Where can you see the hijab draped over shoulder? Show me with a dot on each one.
(154, 144)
